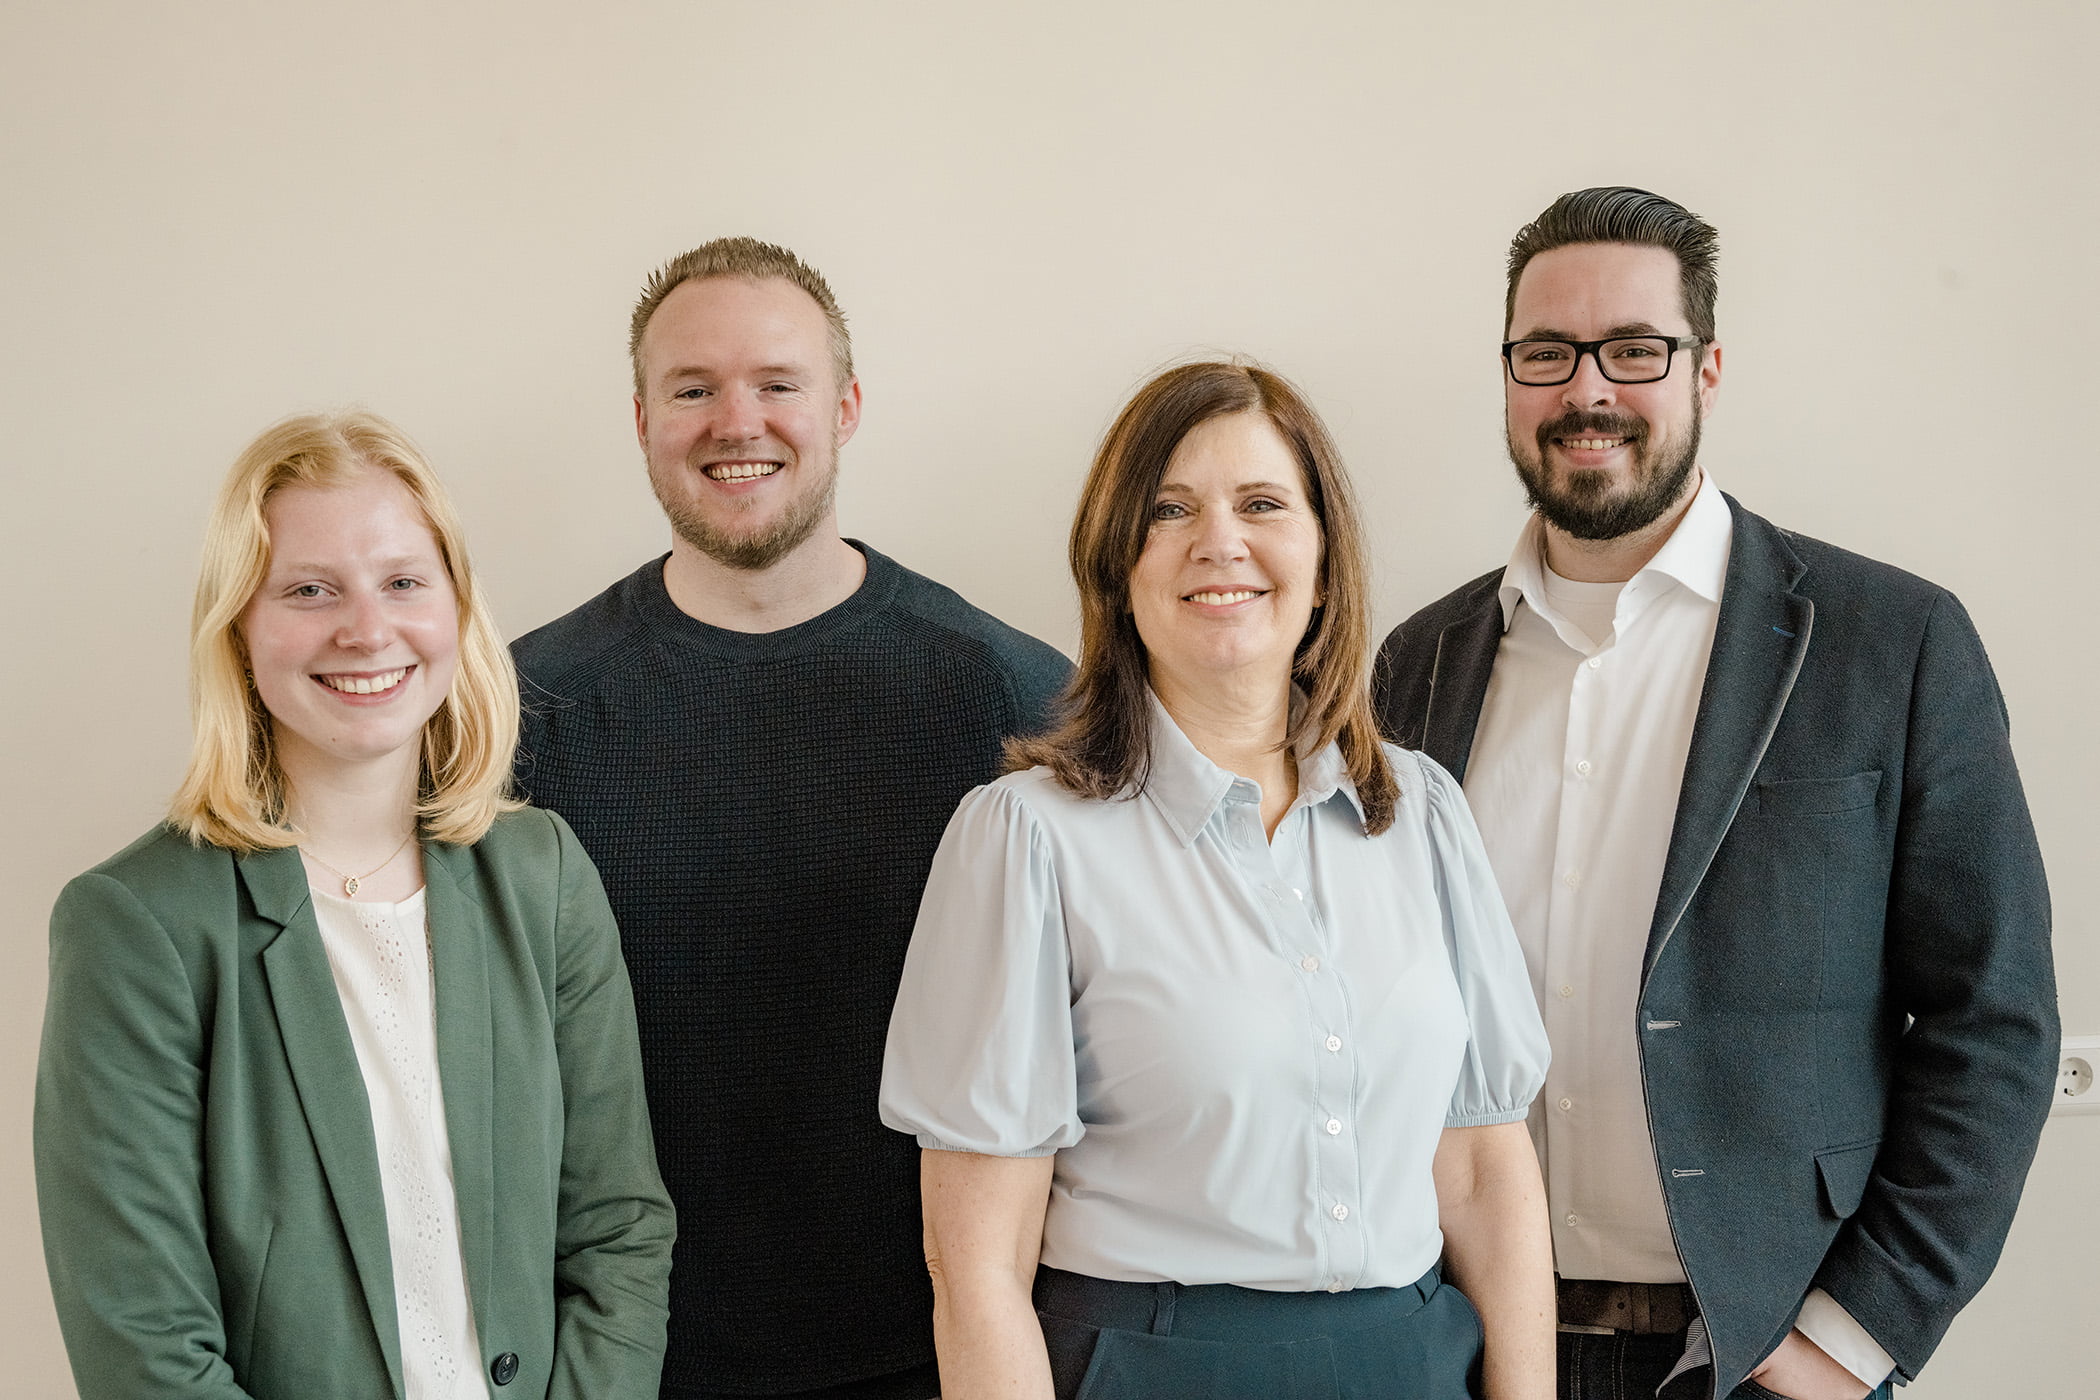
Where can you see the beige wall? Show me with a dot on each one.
(218, 212)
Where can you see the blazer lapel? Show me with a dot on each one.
(1760, 641)
(331, 1087)
(1458, 682)
(466, 1054)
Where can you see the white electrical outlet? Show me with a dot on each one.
(2077, 1090)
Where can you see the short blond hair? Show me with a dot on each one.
(754, 261)
(234, 792)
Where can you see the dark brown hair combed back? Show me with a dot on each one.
(1622, 214)
(1102, 746)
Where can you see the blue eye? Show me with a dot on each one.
(1169, 510)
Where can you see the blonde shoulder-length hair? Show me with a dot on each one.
(234, 792)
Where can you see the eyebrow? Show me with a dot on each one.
(399, 561)
(1165, 486)
(1624, 328)
(709, 372)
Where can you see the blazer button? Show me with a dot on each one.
(504, 1369)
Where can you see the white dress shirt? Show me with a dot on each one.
(1242, 1051)
(380, 956)
(1576, 768)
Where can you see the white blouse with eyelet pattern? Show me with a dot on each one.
(380, 956)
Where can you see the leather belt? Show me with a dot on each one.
(1646, 1308)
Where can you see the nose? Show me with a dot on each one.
(736, 419)
(1589, 388)
(1219, 537)
(363, 624)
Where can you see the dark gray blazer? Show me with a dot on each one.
(1847, 1025)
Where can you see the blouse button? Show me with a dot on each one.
(1566, 1104)
(1573, 1218)
(1341, 1212)
(1566, 990)
(1334, 1127)
(1595, 662)
(1582, 768)
(1309, 963)
(1334, 1043)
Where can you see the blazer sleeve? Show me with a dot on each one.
(614, 1225)
(119, 1161)
(1967, 952)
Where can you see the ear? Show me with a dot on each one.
(849, 413)
(641, 425)
(1709, 378)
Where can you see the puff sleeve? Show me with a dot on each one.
(980, 1052)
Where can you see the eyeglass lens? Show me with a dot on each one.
(1633, 360)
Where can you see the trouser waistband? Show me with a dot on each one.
(1222, 1311)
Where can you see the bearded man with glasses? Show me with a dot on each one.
(1752, 803)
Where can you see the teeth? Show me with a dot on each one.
(365, 685)
(740, 471)
(1593, 444)
(1239, 595)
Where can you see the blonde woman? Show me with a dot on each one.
(339, 1091)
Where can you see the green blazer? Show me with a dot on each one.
(206, 1172)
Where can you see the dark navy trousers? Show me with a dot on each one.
(1160, 1341)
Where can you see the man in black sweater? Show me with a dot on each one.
(759, 738)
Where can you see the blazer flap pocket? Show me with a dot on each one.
(1801, 797)
(1844, 1172)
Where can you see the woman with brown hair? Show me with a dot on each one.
(1213, 1028)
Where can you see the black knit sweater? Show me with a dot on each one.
(764, 808)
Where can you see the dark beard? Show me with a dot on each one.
(1583, 506)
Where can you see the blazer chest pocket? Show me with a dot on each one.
(1844, 1172)
(1805, 797)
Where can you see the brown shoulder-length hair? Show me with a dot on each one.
(1102, 745)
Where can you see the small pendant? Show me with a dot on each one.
(349, 887)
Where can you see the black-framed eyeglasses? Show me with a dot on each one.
(1623, 359)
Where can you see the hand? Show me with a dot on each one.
(1801, 1370)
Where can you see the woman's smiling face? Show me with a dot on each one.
(1230, 572)
(353, 634)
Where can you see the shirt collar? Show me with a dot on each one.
(1695, 554)
(1188, 788)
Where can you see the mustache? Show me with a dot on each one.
(1583, 422)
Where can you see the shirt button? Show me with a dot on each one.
(1566, 990)
(1309, 963)
(1572, 879)
(1334, 1043)
(1566, 1104)
(1334, 1127)
(1334, 1285)
(1582, 768)
(1340, 1212)
(1594, 662)
(1573, 1218)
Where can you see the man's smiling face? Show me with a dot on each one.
(1599, 459)
(741, 418)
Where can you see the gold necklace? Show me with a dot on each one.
(351, 882)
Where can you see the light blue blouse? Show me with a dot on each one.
(1241, 1052)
